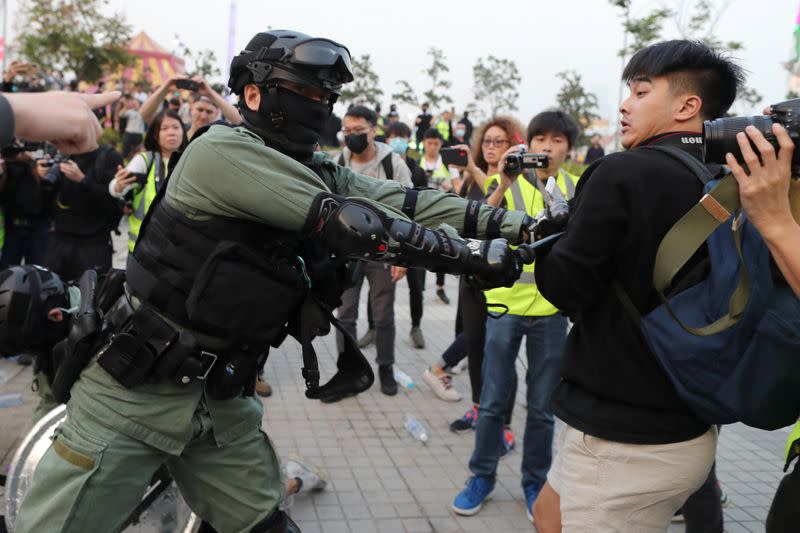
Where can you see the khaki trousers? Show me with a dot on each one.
(608, 486)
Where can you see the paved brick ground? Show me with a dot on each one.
(383, 480)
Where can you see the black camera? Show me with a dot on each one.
(54, 174)
(719, 136)
(141, 181)
(516, 162)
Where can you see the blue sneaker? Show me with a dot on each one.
(531, 493)
(470, 500)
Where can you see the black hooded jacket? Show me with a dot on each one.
(612, 385)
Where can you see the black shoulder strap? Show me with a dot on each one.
(410, 203)
(471, 219)
(388, 169)
(495, 221)
(100, 161)
(704, 173)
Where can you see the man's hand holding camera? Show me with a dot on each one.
(71, 171)
(764, 180)
(509, 177)
(764, 185)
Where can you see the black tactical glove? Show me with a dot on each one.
(492, 264)
(552, 219)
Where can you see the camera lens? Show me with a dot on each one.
(719, 136)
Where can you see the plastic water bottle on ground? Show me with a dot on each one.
(403, 379)
(11, 399)
(416, 428)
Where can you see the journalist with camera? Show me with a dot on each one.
(84, 213)
(762, 155)
(27, 203)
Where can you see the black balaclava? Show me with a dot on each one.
(287, 121)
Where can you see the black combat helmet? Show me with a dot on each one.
(292, 56)
(289, 121)
(27, 294)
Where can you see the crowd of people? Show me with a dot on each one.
(633, 454)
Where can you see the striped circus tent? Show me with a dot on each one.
(154, 63)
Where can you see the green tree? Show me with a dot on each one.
(74, 35)
(365, 85)
(639, 31)
(406, 94)
(438, 94)
(204, 64)
(476, 113)
(495, 81)
(576, 101)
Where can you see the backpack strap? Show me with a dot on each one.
(388, 169)
(701, 171)
(689, 233)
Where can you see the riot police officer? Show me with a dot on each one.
(248, 213)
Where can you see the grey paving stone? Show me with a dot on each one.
(383, 480)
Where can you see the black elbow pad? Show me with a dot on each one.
(348, 227)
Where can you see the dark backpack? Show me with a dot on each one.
(730, 344)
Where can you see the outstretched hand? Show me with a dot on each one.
(62, 118)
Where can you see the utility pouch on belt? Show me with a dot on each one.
(239, 294)
(132, 351)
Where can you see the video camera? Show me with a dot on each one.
(719, 136)
(515, 163)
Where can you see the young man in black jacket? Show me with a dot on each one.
(632, 451)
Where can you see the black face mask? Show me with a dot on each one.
(356, 142)
(298, 120)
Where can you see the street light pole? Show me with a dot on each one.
(5, 32)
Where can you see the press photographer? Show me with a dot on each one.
(27, 203)
(84, 213)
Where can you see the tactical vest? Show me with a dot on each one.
(524, 298)
(233, 279)
(240, 287)
(144, 197)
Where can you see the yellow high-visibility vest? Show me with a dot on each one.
(143, 198)
(524, 298)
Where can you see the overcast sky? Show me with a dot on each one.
(543, 37)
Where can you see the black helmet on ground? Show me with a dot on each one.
(277, 62)
(27, 294)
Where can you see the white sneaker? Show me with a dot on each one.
(442, 386)
(312, 478)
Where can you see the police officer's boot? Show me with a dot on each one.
(355, 375)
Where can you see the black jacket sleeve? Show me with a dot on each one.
(6, 122)
(578, 269)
